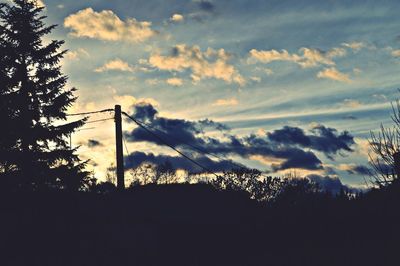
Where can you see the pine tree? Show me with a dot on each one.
(35, 151)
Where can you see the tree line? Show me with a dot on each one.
(35, 152)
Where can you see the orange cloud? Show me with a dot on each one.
(107, 26)
(210, 64)
(333, 74)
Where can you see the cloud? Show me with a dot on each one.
(152, 82)
(92, 143)
(127, 101)
(289, 147)
(76, 55)
(333, 74)
(107, 26)
(269, 71)
(255, 79)
(207, 6)
(135, 159)
(209, 64)
(323, 139)
(357, 71)
(226, 102)
(272, 55)
(38, 3)
(176, 18)
(395, 53)
(331, 184)
(306, 58)
(351, 103)
(177, 82)
(115, 65)
(355, 169)
(355, 46)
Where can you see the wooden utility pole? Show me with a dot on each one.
(119, 150)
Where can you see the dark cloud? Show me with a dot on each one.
(331, 184)
(137, 158)
(290, 144)
(358, 170)
(145, 112)
(291, 135)
(349, 117)
(329, 141)
(323, 139)
(93, 143)
(175, 130)
(297, 158)
(207, 6)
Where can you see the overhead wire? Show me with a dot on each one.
(87, 128)
(99, 120)
(90, 113)
(126, 146)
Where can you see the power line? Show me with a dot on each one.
(100, 120)
(90, 113)
(87, 128)
(166, 143)
(126, 146)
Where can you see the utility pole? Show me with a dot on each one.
(119, 150)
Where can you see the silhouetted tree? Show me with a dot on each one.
(34, 143)
(144, 174)
(110, 174)
(251, 182)
(385, 155)
(166, 173)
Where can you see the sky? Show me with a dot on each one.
(282, 86)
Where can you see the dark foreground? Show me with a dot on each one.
(195, 225)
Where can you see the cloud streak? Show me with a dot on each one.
(306, 58)
(226, 102)
(115, 65)
(176, 82)
(333, 74)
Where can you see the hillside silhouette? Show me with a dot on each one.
(197, 225)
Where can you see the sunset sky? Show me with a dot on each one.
(256, 82)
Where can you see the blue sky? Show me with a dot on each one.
(256, 66)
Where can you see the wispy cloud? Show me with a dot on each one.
(333, 74)
(306, 58)
(356, 46)
(106, 25)
(351, 103)
(177, 82)
(355, 169)
(78, 54)
(396, 53)
(116, 65)
(226, 102)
